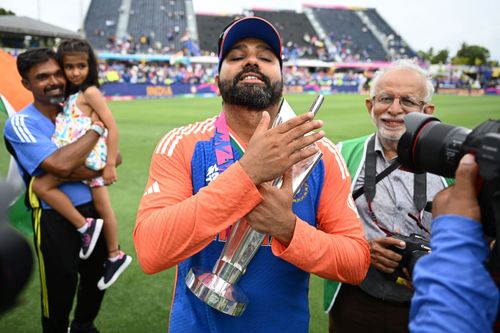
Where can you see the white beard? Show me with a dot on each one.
(384, 133)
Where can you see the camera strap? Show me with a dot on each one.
(371, 179)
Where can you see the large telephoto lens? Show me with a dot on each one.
(431, 146)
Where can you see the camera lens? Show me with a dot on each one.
(430, 146)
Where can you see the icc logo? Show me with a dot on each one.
(212, 173)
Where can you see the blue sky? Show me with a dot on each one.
(423, 24)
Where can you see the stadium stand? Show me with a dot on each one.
(161, 23)
(100, 22)
(155, 26)
(161, 27)
(352, 39)
(395, 43)
(299, 37)
(145, 44)
(209, 27)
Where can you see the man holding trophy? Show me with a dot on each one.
(243, 242)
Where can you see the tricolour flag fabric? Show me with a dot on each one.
(13, 97)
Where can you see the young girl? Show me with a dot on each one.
(85, 104)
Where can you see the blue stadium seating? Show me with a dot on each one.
(163, 24)
(345, 27)
(291, 25)
(162, 21)
(395, 41)
(100, 22)
(209, 28)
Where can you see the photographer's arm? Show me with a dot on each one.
(453, 289)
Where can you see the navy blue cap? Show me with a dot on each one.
(249, 27)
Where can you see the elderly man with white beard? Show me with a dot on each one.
(396, 205)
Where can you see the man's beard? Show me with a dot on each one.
(386, 135)
(56, 99)
(251, 96)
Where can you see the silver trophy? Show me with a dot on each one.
(218, 288)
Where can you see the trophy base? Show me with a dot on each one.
(216, 292)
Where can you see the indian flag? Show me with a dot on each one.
(19, 216)
(13, 97)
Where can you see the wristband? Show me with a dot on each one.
(96, 128)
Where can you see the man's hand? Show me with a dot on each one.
(461, 198)
(382, 258)
(84, 173)
(271, 152)
(274, 215)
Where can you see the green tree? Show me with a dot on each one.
(6, 12)
(472, 55)
(441, 57)
(427, 56)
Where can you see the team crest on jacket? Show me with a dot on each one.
(302, 193)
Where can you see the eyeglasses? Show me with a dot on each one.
(407, 102)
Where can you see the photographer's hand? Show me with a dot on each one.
(382, 258)
(461, 198)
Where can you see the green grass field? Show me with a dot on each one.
(139, 302)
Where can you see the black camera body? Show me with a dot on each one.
(416, 247)
(430, 146)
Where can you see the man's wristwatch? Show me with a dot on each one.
(98, 129)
